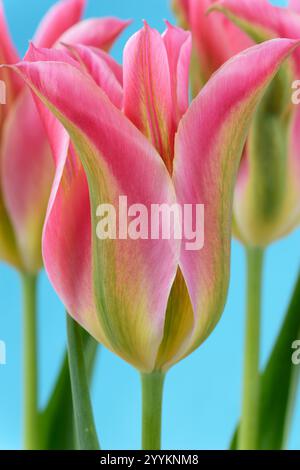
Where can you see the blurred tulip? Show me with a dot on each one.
(267, 193)
(215, 38)
(267, 196)
(150, 301)
(27, 168)
(27, 172)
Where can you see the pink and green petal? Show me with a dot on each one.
(8, 247)
(147, 90)
(130, 285)
(178, 325)
(267, 193)
(208, 149)
(182, 11)
(178, 44)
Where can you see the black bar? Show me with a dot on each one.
(135, 459)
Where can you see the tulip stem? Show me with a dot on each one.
(86, 433)
(248, 434)
(152, 397)
(29, 286)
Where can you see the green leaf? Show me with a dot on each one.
(83, 414)
(279, 383)
(56, 421)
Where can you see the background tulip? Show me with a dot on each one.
(27, 170)
(150, 313)
(215, 38)
(266, 199)
(267, 196)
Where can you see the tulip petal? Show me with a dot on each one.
(267, 199)
(131, 285)
(208, 148)
(269, 209)
(178, 44)
(294, 5)
(182, 11)
(27, 175)
(262, 21)
(8, 55)
(116, 68)
(96, 63)
(147, 90)
(59, 18)
(9, 92)
(99, 68)
(62, 16)
(40, 54)
(8, 246)
(96, 32)
(178, 325)
(216, 39)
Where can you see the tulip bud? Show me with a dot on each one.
(267, 195)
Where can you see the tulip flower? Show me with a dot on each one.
(266, 203)
(27, 168)
(215, 38)
(267, 193)
(267, 199)
(151, 301)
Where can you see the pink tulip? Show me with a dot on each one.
(267, 196)
(150, 301)
(215, 38)
(27, 168)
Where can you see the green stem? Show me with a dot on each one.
(29, 284)
(152, 396)
(83, 414)
(248, 433)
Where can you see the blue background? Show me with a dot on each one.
(202, 394)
